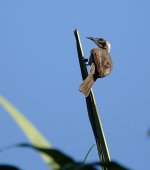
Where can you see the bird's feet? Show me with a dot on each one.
(86, 61)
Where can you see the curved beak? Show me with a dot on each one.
(91, 38)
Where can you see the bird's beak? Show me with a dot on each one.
(91, 38)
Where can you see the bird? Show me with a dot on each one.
(100, 64)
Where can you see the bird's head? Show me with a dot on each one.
(101, 43)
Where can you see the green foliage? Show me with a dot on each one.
(58, 156)
(8, 167)
(66, 162)
(31, 132)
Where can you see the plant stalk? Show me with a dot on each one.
(92, 109)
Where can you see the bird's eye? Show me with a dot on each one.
(103, 43)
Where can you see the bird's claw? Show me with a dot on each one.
(86, 61)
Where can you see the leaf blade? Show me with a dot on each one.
(33, 135)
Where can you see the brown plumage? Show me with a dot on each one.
(100, 62)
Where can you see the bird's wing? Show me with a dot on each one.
(92, 69)
(96, 54)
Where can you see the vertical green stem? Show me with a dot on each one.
(92, 109)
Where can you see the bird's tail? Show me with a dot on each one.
(86, 85)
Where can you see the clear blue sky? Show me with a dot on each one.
(40, 75)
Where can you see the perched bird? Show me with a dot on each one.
(100, 62)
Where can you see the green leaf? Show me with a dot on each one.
(8, 167)
(113, 166)
(65, 161)
(58, 156)
(78, 167)
(33, 135)
(94, 165)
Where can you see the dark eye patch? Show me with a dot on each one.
(102, 43)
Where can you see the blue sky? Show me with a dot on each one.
(40, 75)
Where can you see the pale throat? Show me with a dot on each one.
(109, 46)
